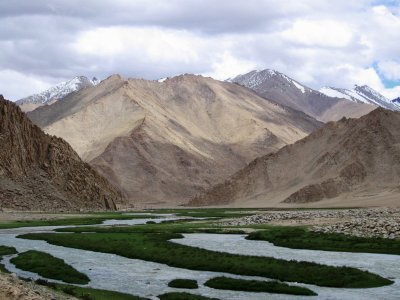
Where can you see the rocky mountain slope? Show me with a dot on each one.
(42, 172)
(352, 162)
(162, 142)
(287, 91)
(56, 92)
(396, 102)
(360, 94)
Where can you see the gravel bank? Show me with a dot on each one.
(373, 222)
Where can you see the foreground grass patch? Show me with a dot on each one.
(88, 293)
(5, 250)
(183, 284)
(225, 283)
(183, 296)
(48, 266)
(157, 248)
(300, 238)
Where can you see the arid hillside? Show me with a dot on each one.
(352, 162)
(43, 172)
(161, 143)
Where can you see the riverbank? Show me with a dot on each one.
(12, 288)
(370, 222)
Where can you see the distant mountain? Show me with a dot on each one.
(162, 142)
(360, 94)
(43, 172)
(56, 92)
(351, 162)
(284, 90)
(396, 101)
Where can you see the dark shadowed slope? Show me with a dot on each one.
(42, 172)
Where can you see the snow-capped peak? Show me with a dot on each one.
(59, 91)
(396, 102)
(95, 81)
(258, 77)
(360, 94)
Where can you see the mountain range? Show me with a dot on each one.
(164, 142)
(351, 162)
(161, 143)
(360, 94)
(43, 172)
(289, 92)
(56, 92)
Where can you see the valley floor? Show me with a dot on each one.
(150, 248)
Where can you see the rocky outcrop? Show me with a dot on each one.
(43, 172)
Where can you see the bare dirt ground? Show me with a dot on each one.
(12, 288)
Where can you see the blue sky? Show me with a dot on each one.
(317, 42)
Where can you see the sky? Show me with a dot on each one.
(317, 42)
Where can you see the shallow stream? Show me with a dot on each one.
(148, 279)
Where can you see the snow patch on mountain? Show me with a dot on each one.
(59, 91)
(257, 77)
(360, 94)
(335, 93)
(299, 86)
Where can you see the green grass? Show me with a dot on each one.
(178, 226)
(225, 283)
(88, 293)
(3, 269)
(208, 212)
(183, 296)
(300, 238)
(89, 220)
(48, 266)
(5, 250)
(156, 247)
(183, 284)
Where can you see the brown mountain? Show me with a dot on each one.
(289, 92)
(162, 142)
(352, 162)
(42, 172)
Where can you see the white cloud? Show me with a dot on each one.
(316, 42)
(319, 33)
(153, 44)
(391, 93)
(14, 85)
(226, 64)
(390, 69)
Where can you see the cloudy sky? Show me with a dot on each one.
(337, 43)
